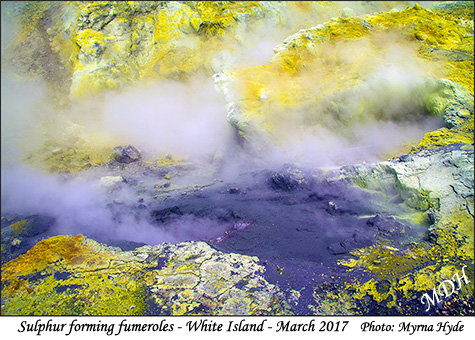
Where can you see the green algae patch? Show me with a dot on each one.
(66, 275)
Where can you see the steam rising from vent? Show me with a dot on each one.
(364, 123)
(21, 117)
(81, 206)
(189, 119)
(170, 117)
(362, 100)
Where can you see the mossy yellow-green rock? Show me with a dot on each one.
(42, 281)
(85, 49)
(91, 48)
(66, 275)
(314, 69)
(109, 44)
(438, 182)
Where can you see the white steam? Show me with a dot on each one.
(81, 206)
(371, 120)
(170, 117)
(188, 119)
(22, 114)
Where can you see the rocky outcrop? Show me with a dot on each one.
(93, 48)
(315, 78)
(106, 45)
(430, 182)
(76, 275)
(289, 178)
(125, 154)
(86, 50)
(423, 180)
(200, 280)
